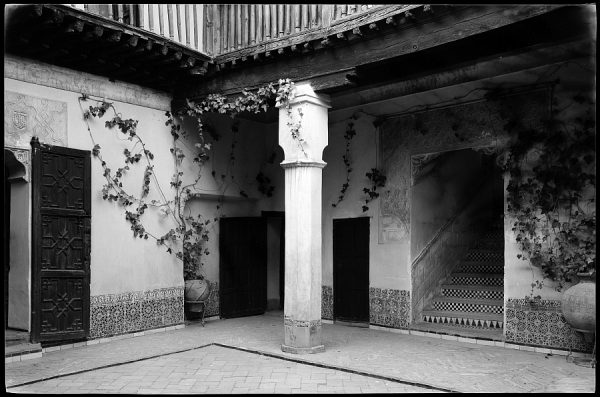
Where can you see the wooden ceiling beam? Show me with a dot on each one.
(433, 32)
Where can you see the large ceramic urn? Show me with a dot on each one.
(195, 295)
(196, 290)
(578, 305)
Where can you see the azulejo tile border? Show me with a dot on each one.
(543, 324)
(327, 302)
(212, 306)
(389, 307)
(115, 314)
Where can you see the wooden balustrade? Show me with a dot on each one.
(182, 23)
(219, 28)
(231, 27)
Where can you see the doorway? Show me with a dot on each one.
(275, 259)
(351, 270)
(242, 266)
(61, 185)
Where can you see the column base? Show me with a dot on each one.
(303, 350)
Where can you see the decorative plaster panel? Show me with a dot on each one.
(26, 116)
(541, 324)
(327, 302)
(23, 156)
(471, 125)
(135, 311)
(70, 80)
(389, 307)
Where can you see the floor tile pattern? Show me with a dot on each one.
(217, 370)
(449, 364)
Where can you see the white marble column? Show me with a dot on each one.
(303, 166)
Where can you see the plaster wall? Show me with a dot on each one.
(445, 187)
(255, 150)
(19, 295)
(387, 270)
(119, 263)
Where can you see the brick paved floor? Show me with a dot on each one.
(413, 359)
(216, 369)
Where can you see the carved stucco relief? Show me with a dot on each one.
(23, 156)
(409, 141)
(70, 80)
(26, 116)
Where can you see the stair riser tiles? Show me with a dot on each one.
(472, 294)
(468, 307)
(478, 281)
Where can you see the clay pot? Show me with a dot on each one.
(196, 290)
(578, 304)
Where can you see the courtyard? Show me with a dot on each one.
(243, 355)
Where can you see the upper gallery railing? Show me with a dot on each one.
(182, 23)
(216, 29)
(232, 27)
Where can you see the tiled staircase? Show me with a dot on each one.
(473, 294)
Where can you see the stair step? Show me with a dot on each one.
(478, 255)
(478, 278)
(483, 320)
(451, 305)
(480, 267)
(450, 299)
(473, 291)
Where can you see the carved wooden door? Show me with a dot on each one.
(243, 266)
(351, 269)
(60, 243)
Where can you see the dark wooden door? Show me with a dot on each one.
(243, 266)
(351, 269)
(60, 243)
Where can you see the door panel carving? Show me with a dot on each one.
(61, 243)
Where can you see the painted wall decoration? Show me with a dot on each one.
(469, 125)
(79, 82)
(389, 307)
(327, 302)
(541, 325)
(135, 311)
(26, 116)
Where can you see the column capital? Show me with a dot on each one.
(302, 163)
(304, 93)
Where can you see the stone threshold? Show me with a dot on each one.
(16, 357)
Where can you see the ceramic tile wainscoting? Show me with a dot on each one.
(389, 307)
(327, 302)
(212, 306)
(541, 324)
(116, 314)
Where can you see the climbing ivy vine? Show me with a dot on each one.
(187, 240)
